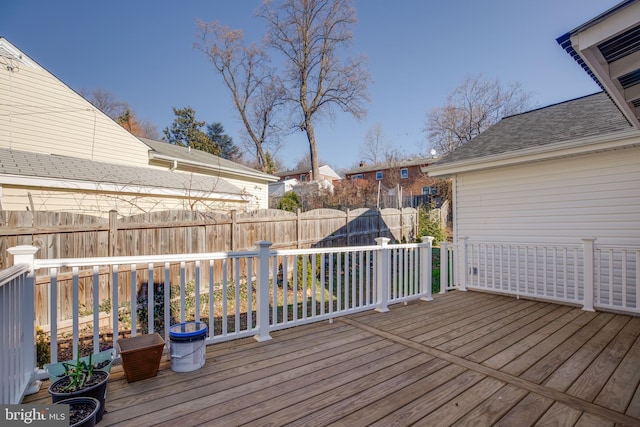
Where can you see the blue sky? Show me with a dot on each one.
(418, 52)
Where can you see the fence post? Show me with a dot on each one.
(444, 267)
(382, 274)
(462, 262)
(426, 261)
(588, 252)
(25, 254)
(262, 309)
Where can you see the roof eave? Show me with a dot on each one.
(614, 140)
(583, 44)
(230, 171)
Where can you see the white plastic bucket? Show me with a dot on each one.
(188, 350)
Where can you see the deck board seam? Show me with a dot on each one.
(556, 395)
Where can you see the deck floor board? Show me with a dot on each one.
(465, 358)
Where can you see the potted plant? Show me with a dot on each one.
(81, 380)
(82, 411)
(102, 361)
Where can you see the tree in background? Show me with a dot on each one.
(290, 202)
(310, 35)
(228, 150)
(375, 146)
(186, 131)
(121, 113)
(256, 92)
(472, 108)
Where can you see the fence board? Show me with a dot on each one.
(70, 235)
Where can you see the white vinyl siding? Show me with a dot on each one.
(39, 113)
(99, 204)
(259, 190)
(554, 201)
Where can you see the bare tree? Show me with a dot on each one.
(121, 113)
(106, 102)
(471, 108)
(310, 34)
(257, 93)
(371, 151)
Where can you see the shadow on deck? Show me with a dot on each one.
(464, 358)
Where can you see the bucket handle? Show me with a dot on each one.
(180, 356)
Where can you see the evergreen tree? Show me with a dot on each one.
(228, 150)
(186, 131)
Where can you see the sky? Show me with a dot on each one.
(418, 51)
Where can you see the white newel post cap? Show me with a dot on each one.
(23, 254)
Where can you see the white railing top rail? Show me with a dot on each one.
(529, 244)
(139, 259)
(174, 258)
(10, 273)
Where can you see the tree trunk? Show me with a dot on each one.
(313, 150)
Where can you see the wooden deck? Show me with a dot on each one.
(466, 358)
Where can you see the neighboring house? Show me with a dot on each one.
(251, 182)
(405, 176)
(299, 180)
(59, 152)
(555, 175)
(304, 174)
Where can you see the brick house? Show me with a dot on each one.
(402, 178)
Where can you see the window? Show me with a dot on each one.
(357, 176)
(303, 178)
(429, 190)
(379, 175)
(404, 173)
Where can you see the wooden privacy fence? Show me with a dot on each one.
(69, 235)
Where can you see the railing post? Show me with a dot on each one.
(462, 262)
(25, 254)
(444, 267)
(382, 274)
(262, 309)
(426, 262)
(587, 250)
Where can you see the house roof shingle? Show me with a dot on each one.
(588, 116)
(46, 166)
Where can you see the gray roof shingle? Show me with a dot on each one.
(588, 116)
(28, 164)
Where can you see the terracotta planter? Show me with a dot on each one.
(141, 356)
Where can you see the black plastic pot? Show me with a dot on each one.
(97, 391)
(90, 419)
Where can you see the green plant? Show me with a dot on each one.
(43, 343)
(290, 202)
(79, 373)
(429, 225)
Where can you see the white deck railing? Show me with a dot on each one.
(17, 336)
(586, 274)
(238, 294)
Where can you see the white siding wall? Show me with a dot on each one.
(40, 113)
(99, 204)
(555, 201)
(259, 190)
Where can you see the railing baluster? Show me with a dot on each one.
(132, 302)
